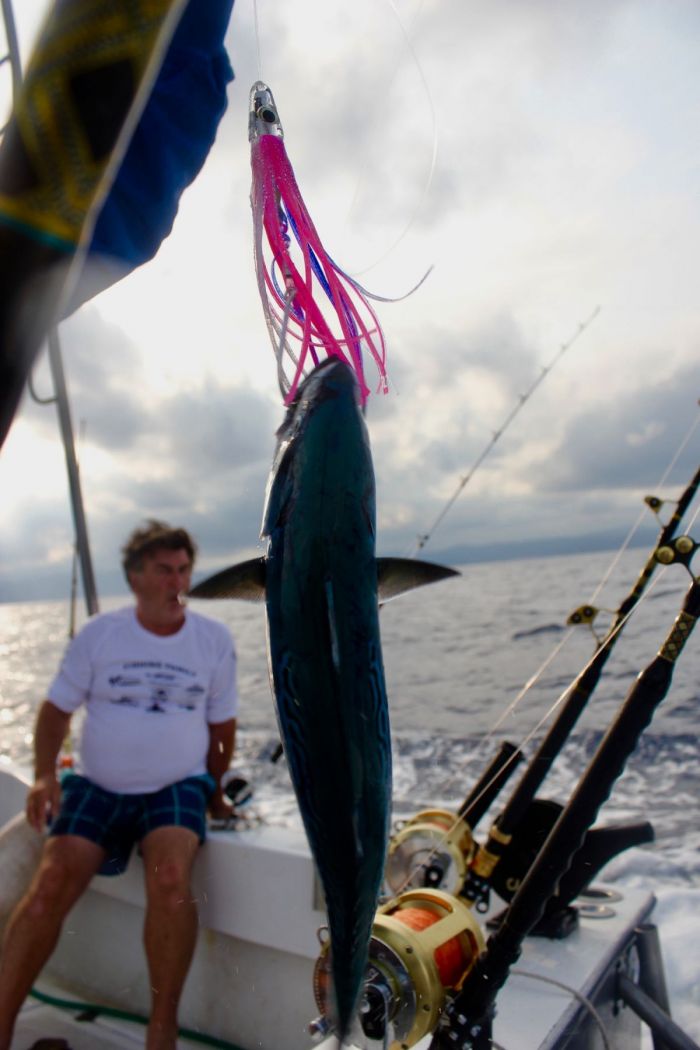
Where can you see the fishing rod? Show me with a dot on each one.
(497, 434)
(476, 888)
(436, 848)
(489, 784)
(426, 942)
(587, 613)
(467, 1020)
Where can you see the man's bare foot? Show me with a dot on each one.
(161, 1036)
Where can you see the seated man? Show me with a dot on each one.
(159, 687)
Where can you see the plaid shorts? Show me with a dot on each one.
(116, 821)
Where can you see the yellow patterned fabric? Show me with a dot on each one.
(78, 89)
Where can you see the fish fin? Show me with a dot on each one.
(395, 576)
(245, 581)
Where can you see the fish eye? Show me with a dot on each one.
(267, 114)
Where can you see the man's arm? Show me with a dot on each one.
(222, 740)
(44, 797)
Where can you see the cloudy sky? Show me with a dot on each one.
(566, 177)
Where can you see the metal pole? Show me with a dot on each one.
(76, 496)
(12, 46)
(662, 1027)
(61, 395)
(651, 972)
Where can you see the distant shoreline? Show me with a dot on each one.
(53, 584)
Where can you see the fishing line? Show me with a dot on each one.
(257, 38)
(643, 513)
(482, 744)
(282, 345)
(584, 1000)
(534, 678)
(497, 434)
(681, 449)
(371, 125)
(612, 633)
(613, 564)
(552, 709)
(434, 147)
(532, 733)
(693, 520)
(434, 141)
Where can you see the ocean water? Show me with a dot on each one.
(457, 658)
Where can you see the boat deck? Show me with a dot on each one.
(582, 960)
(40, 1020)
(540, 1007)
(251, 980)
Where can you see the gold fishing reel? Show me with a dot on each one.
(424, 944)
(433, 849)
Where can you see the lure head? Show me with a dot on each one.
(263, 118)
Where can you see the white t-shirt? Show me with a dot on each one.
(149, 699)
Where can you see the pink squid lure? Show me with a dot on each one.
(293, 267)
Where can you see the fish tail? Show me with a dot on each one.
(348, 969)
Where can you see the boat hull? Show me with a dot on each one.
(260, 907)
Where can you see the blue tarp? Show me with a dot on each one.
(172, 139)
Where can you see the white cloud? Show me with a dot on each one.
(566, 178)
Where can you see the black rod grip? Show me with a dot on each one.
(490, 783)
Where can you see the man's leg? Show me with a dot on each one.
(67, 865)
(170, 930)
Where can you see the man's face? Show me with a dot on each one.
(164, 576)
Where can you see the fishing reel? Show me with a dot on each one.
(424, 944)
(431, 850)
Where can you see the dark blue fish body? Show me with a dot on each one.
(325, 656)
(322, 585)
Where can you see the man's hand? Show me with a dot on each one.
(222, 738)
(43, 801)
(220, 807)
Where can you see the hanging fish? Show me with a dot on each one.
(321, 584)
(292, 266)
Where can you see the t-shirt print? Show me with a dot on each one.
(155, 686)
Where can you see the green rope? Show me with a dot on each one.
(125, 1015)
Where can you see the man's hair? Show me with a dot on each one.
(152, 537)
